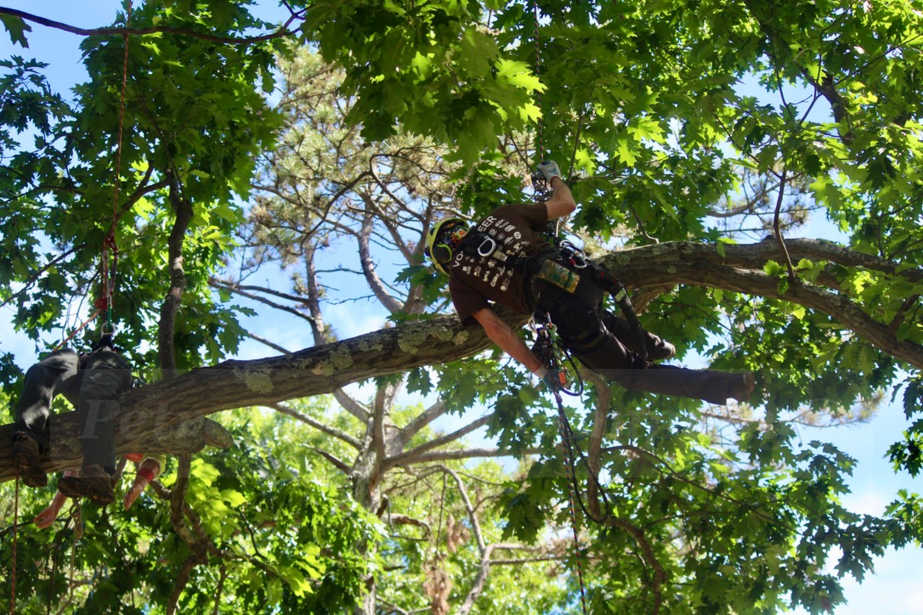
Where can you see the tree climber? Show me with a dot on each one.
(503, 259)
(92, 383)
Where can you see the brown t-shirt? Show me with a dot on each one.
(475, 279)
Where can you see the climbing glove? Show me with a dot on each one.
(549, 168)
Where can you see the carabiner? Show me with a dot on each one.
(490, 250)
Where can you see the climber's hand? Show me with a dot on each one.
(549, 169)
(553, 379)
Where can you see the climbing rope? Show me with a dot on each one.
(13, 563)
(109, 243)
(109, 256)
(545, 350)
(539, 143)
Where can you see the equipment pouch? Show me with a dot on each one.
(559, 275)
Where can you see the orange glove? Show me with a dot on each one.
(47, 517)
(148, 471)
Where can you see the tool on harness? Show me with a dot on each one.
(554, 273)
(556, 359)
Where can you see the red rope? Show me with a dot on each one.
(109, 243)
(92, 317)
(15, 527)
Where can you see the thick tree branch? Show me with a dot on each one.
(325, 368)
(691, 263)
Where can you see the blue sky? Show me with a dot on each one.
(894, 589)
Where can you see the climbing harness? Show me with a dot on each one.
(570, 257)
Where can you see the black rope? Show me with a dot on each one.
(545, 350)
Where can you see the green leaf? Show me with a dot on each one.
(17, 27)
(773, 268)
(477, 53)
(518, 74)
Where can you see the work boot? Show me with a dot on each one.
(94, 482)
(27, 459)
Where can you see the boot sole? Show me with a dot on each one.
(77, 487)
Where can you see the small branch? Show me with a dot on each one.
(178, 500)
(600, 419)
(901, 314)
(378, 428)
(647, 555)
(269, 291)
(222, 576)
(351, 405)
(398, 519)
(182, 579)
(281, 32)
(422, 420)
(413, 455)
(529, 560)
(339, 465)
(214, 283)
(368, 268)
(266, 342)
(330, 431)
(777, 231)
(484, 549)
(39, 273)
(465, 454)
